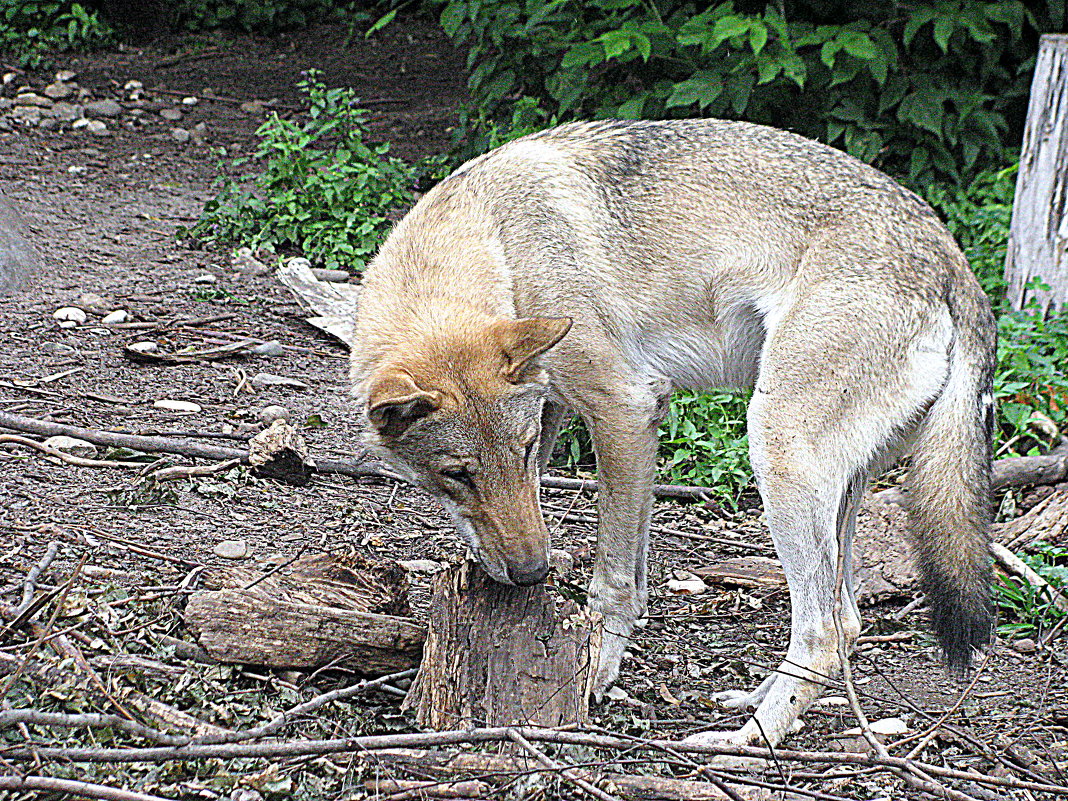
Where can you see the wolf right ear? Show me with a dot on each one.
(395, 401)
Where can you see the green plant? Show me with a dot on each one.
(324, 190)
(29, 29)
(264, 16)
(1029, 609)
(931, 87)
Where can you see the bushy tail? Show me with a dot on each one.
(949, 508)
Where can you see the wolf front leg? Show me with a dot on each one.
(623, 426)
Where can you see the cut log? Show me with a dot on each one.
(497, 655)
(279, 452)
(1047, 521)
(744, 571)
(324, 610)
(1038, 235)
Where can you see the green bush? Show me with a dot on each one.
(324, 190)
(29, 30)
(263, 16)
(935, 87)
(1028, 610)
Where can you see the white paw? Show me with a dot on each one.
(736, 699)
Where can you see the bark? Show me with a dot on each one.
(499, 655)
(1038, 236)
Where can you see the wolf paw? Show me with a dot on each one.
(736, 699)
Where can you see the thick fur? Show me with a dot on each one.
(595, 267)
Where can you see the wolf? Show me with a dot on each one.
(592, 268)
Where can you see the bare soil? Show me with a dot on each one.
(104, 211)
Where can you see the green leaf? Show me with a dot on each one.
(943, 29)
(382, 22)
(916, 20)
(727, 28)
(758, 36)
(858, 44)
(632, 109)
(703, 88)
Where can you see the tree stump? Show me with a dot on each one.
(325, 610)
(497, 655)
(1038, 236)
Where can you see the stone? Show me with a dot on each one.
(48, 124)
(97, 128)
(252, 107)
(72, 445)
(27, 115)
(81, 122)
(247, 264)
(94, 303)
(9, 78)
(887, 727)
(70, 314)
(102, 108)
(561, 562)
(270, 349)
(33, 99)
(129, 86)
(58, 91)
(117, 316)
(421, 565)
(189, 101)
(65, 76)
(205, 278)
(180, 406)
(268, 414)
(145, 346)
(64, 112)
(58, 349)
(18, 258)
(180, 135)
(231, 549)
(1025, 646)
(271, 380)
(331, 276)
(693, 586)
(170, 113)
(199, 133)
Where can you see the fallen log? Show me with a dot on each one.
(1047, 521)
(503, 655)
(325, 610)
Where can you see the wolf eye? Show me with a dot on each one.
(461, 475)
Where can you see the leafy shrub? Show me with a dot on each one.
(929, 88)
(263, 16)
(1027, 609)
(28, 29)
(323, 190)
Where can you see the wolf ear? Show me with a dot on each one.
(522, 340)
(395, 401)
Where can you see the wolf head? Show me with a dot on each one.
(458, 413)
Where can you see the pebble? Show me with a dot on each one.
(561, 562)
(9, 78)
(48, 124)
(129, 86)
(1025, 646)
(268, 414)
(58, 91)
(102, 108)
(117, 316)
(58, 349)
(180, 406)
(189, 101)
(65, 112)
(170, 114)
(332, 276)
(421, 566)
(252, 107)
(180, 135)
(246, 263)
(30, 115)
(97, 128)
(692, 586)
(33, 99)
(72, 445)
(231, 549)
(145, 346)
(270, 349)
(94, 303)
(272, 380)
(887, 727)
(66, 75)
(80, 123)
(70, 314)
(205, 278)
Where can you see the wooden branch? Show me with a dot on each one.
(1017, 567)
(498, 654)
(1038, 235)
(1020, 471)
(72, 788)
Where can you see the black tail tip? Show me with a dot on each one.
(962, 631)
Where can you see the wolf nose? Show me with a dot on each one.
(532, 571)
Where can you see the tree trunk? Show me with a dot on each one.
(497, 655)
(1038, 237)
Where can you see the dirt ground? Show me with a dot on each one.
(103, 210)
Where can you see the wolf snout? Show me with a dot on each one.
(529, 571)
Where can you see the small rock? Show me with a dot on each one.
(129, 86)
(9, 78)
(97, 128)
(117, 316)
(70, 314)
(64, 112)
(58, 91)
(561, 562)
(102, 108)
(27, 115)
(58, 349)
(231, 549)
(692, 586)
(833, 700)
(268, 414)
(94, 303)
(67, 324)
(65, 76)
(182, 407)
(170, 113)
(71, 445)
(333, 276)
(189, 101)
(48, 124)
(33, 99)
(617, 694)
(145, 346)
(82, 122)
(180, 135)
(421, 566)
(205, 278)
(271, 348)
(271, 380)
(252, 107)
(887, 727)
(1025, 646)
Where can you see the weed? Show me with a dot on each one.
(31, 28)
(324, 190)
(1028, 609)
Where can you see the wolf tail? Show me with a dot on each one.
(949, 492)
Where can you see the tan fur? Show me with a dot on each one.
(593, 268)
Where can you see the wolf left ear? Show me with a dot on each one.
(395, 401)
(522, 340)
